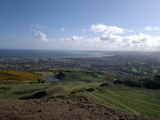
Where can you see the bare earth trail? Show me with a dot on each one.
(61, 109)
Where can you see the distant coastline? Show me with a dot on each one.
(32, 54)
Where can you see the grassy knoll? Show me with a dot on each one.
(80, 76)
(133, 100)
(45, 73)
(70, 86)
(16, 91)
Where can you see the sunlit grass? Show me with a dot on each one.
(132, 100)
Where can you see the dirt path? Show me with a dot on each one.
(61, 109)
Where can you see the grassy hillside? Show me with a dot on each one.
(132, 100)
(138, 101)
(152, 82)
(16, 91)
(80, 75)
(135, 100)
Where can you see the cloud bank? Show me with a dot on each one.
(110, 37)
(132, 41)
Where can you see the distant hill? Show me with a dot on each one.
(80, 75)
(152, 82)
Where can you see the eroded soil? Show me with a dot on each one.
(61, 109)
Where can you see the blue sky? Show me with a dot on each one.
(80, 24)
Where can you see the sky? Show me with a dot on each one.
(80, 24)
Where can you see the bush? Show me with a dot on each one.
(20, 82)
(90, 89)
(54, 97)
(82, 99)
(78, 90)
(100, 89)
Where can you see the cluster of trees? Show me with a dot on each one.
(16, 75)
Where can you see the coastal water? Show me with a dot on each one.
(24, 54)
(52, 79)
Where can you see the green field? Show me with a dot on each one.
(140, 101)
(21, 90)
(132, 100)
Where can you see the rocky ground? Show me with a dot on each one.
(61, 109)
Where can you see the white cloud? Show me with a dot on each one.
(72, 39)
(62, 29)
(41, 37)
(83, 30)
(114, 30)
(91, 40)
(108, 29)
(76, 38)
(141, 40)
(111, 40)
(36, 25)
(151, 28)
(62, 39)
(98, 28)
(14, 36)
(126, 30)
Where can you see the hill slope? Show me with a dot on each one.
(60, 109)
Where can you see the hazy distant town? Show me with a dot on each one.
(129, 64)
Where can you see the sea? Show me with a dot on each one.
(32, 54)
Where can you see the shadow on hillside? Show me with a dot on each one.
(36, 95)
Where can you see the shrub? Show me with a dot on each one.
(78, 90)
(90, 89)
(82, 99)
(100, 89)
(54, 96)
(20, 82)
